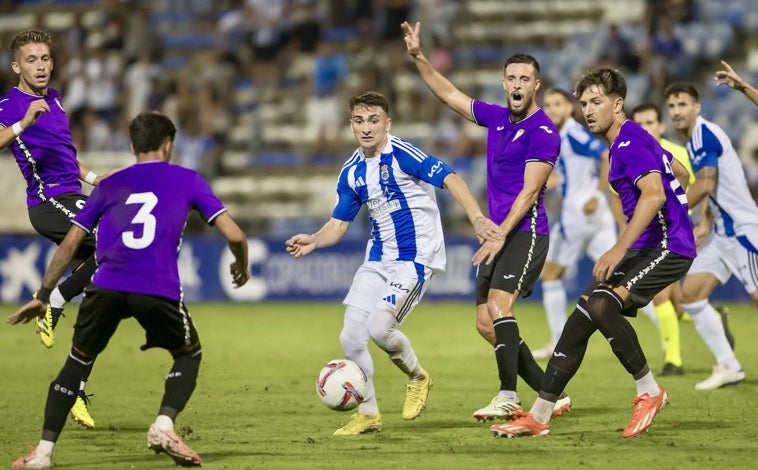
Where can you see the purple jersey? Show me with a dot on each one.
(510, 146)
(44, 152)
(140, 213)
(634, 154)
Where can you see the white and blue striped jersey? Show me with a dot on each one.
(398, 190)
(735, 212)
(578, 165)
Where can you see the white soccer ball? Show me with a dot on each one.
(341, 385)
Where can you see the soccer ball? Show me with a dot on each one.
(341, 385)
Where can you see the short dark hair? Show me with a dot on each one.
(560, 91)
(370, 98)
(149, 130)
(648, 106)
(681, 87)
(28, 37)
(523, 59)
(611, 80)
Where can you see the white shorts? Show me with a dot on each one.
(723, 257)
(393, 286)
(572, 236)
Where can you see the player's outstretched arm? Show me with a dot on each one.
(33, 112)
(88, 176)
(484, 228)
(303, 244)
(237, 242)
(440, 86)
(58, 266)
(729, 77)
(706, 181)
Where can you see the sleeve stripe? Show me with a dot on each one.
(474, 115)
(645, 174)
(355, 156)
(211, 218)
(73, 221)
(417, 154)
(537, 159)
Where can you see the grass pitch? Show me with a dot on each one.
(255, 405)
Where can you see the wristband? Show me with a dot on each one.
(599, 194)
(43, 294)
(17, 129)
(90, 178)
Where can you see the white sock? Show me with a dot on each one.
(647, 384)
(164, 423)
(508, 394)
(354, 340)
(649, 311)
(554, 301)
(708, 323)
(45, 447)
(542, 410)
(56, 299)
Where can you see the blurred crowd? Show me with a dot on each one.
(296, 62)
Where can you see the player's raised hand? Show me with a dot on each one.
(32, 309)
(411, 37)
(300, 245)
(33, 112)
(729, 77)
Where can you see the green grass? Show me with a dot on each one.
(255, 405)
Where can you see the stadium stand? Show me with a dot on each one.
(241, 77)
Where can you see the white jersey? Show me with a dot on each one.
(398, 190)
(577, 233)
(735, 212)
(578, 166)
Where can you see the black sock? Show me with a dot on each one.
(528, 369)
(61, 396)
(506, 351)
(604, 307)
(180, 383)
(78, 280)
(568, 353)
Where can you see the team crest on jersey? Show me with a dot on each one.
(385, 172)
(59, 105)
(519, 133)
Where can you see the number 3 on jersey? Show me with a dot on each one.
(143, 217)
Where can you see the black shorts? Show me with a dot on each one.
(52, 220)
(516, 268)
(167, 323)
(644, 273)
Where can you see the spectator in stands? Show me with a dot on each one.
(194, 147)
(323, 111)
(667, 60)
(618, 51)
(138, 80)
(268, 36)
